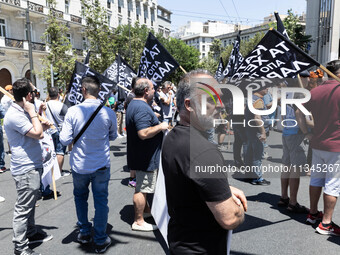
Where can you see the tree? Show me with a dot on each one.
(216, 49)
(296, 31)
(136, 38)
(60, 51)
(185, 55)
(100, 38)
(209, 63)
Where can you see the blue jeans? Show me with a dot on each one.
(2, 149)
(99, 181)
(253, 156)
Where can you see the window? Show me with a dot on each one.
(84, 43)
(109, 19)
(3, 28)
(67, 6)
(203, 47)
(119, 21)
(70, 38)
(203, 39)
(108, 4)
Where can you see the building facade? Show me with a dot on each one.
(201, 35)
(14, 53)
(323, 23)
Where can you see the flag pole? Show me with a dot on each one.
(124, 88)
(300, 81)
(183, 69)
(330, 73)
(54, 185)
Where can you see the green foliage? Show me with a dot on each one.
(136, 39)
(209, 63)
(296, 31)
(245, 46)
(60, 50)
(216, 49)
(100, 37)
(186, 56)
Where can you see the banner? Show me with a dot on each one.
(156, 62)
(49, 160)
(234, 62)
(275, 57)
(219, 70)
(87, 58)
(74, 95)
(122, 74)
(280, 27)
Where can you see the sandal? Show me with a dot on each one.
(283, 202)
(297, 208)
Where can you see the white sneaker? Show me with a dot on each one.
(145, 227)
(2, 199)
(120, 136)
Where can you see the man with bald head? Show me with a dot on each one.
(201, 204)
(144, 140)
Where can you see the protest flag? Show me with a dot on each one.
(275, 57)
(156, 62)
(220, 69)
(235, 60)
(87, 58)
(122, 74)
(74, 95)
(280, 27)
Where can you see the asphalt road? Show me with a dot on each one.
(266, 230)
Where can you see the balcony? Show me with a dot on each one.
(14, 43)
(12, 2)
(57, 14)
(38, 46)
(75, 19)
(35, 7)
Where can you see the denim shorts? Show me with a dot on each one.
(58, 147)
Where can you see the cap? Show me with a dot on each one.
(8, 87)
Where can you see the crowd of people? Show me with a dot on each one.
(166, 124)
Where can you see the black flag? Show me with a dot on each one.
(156, 62)
(74, 95)
(87, 58)
(121, 73)
(219, 70)
(280, 27)
(235, 60)
(275, 57)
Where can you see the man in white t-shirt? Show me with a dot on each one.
(165, 96)
(53, 109)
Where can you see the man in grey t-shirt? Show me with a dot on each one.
(24, 130)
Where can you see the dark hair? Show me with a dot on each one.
(21, 88)
(53, 92)
(140, 86)
(91, 84)
(334, 67)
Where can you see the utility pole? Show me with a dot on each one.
(29, 38)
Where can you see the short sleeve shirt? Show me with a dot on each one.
(192, 226)
(325, 107)
(142, 154)
(26, 151)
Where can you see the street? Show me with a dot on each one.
(266, 230)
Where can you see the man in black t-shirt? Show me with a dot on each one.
(201, 204)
